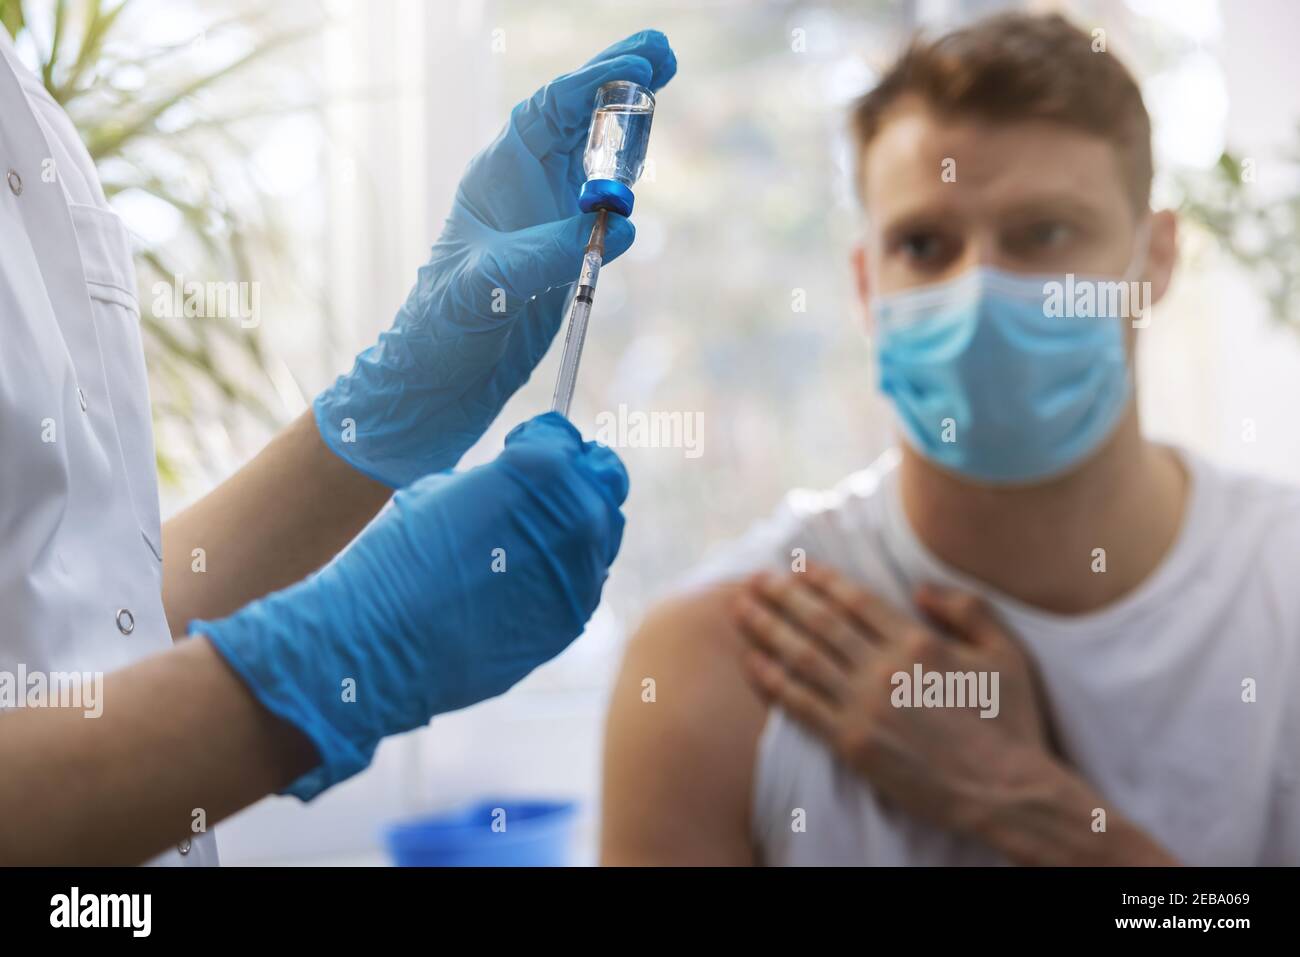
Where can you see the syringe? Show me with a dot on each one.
(613, 161)
(579, 313)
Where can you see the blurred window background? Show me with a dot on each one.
(313, 149)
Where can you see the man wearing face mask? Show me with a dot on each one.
(841, 686)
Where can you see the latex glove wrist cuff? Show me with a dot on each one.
(340, 438)
(244, 640)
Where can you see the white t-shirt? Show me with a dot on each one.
(1146, 693)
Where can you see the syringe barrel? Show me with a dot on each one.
(567, 380)
(579, 314)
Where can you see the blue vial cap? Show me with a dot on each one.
(606, 194)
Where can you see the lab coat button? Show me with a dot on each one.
(15, 182)
(184, 847)
(81, 397)
(125, 621)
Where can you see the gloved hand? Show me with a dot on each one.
(463, 587)
(488, 303)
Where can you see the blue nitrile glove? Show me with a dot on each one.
(488, 303)
(463, 587)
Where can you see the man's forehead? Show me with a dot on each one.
(919, 159)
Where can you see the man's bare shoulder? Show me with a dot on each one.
(692, 626)
(690, 647)
(681, 739)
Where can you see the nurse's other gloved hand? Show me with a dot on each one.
(488, 303)
(461, 588)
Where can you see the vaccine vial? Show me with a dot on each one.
(616, 146)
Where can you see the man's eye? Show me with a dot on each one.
(922, 247)
(1047, 235)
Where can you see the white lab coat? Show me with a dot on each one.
(80, 533)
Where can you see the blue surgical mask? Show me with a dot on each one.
(990, 380)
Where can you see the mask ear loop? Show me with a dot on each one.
(1133, 277)
(873, 267)
(1133, 273)
(872, 325)
(1141, 249)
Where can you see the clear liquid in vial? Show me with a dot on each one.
(617, 144)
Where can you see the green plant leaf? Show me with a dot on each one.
(11, 16)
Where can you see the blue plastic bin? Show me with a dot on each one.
(536, 834)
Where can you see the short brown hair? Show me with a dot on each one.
(1017, 66)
